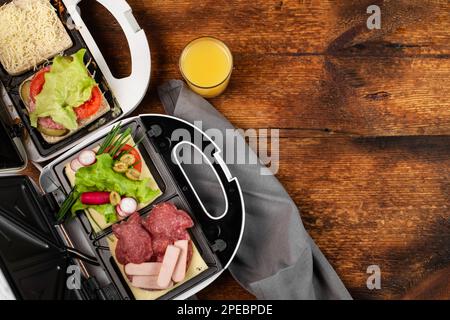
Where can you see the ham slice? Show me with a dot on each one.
(143, 269)
(168, 266)
(180, 269)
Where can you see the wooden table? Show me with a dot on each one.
(364, 119)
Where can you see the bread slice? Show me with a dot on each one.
(30, 33)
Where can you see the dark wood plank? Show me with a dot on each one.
(298, 27)
(434, 287)
(356, 95)
(381, 201)
(363, 83)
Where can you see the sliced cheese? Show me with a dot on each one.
(30, 33)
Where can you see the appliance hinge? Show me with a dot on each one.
(95, 292)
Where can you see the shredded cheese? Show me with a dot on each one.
(30, 33)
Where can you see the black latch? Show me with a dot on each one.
(219, 245)
(16, 130)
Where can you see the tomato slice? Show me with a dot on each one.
(37, 83)
(90, 107)
(131, 150)
(87, 109)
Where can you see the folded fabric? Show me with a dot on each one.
(277, 259)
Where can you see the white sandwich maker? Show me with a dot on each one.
(124, 95)
(36, 251)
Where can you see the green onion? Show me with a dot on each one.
(109, 139)
(124, 152)
(67, 205)
(135, 164)
(120, 142)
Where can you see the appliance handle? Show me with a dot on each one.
(128, 91)
(220, 170)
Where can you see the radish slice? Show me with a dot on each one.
(75, 165)
(120, 212)
(87, 158)
(128, 205)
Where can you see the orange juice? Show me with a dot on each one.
(206, 64)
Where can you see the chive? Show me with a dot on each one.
(120, 142)
(67, 205)
(109, 139)
(137, 162)
(139, 141)
(124, 152)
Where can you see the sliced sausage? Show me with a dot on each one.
(143, 269)
(168, 266)
(180, 268)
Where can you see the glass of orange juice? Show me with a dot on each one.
(206, 64)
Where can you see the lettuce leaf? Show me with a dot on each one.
(68, 85)
(107, 210)
(101, 177)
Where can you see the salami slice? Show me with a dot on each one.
(134, 242)
(168, 224)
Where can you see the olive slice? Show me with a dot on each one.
(120, 167)
(114, 198)
(133, 174)
(129, 159)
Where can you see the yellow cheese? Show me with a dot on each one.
(30, 33)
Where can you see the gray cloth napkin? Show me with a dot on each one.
(277, 259)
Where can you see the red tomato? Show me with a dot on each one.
(37, 83)
(84, 111)
(91, 107)
(135, 153)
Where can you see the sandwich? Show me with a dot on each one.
(30, 33)
(63, 97)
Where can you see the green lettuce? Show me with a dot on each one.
(101, 177)
(107, 210)
(68, 85)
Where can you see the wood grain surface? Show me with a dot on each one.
(364, 118)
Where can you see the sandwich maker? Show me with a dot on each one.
(37, 254)
(123, 95)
